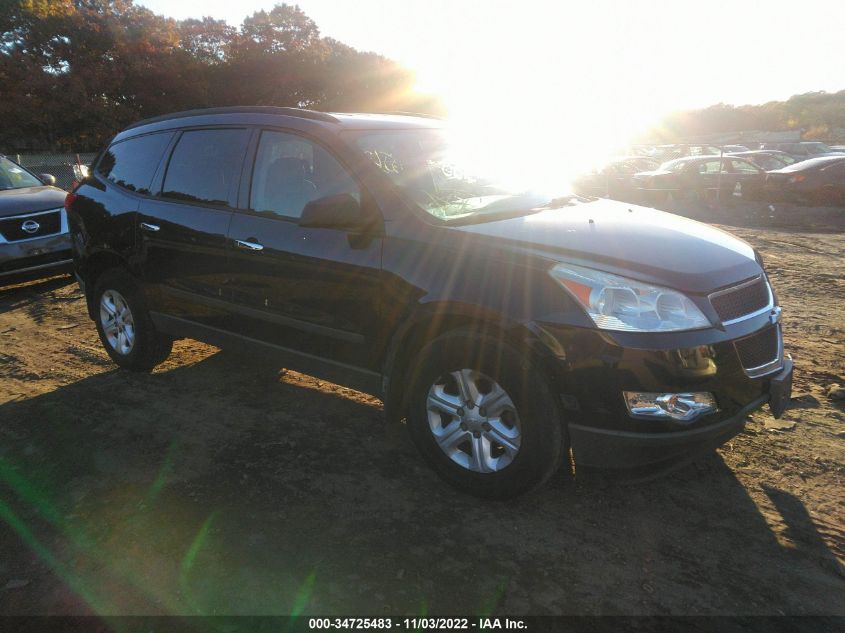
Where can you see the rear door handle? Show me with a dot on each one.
(249, 246)
(152, 228)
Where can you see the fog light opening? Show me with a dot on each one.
(682, 407)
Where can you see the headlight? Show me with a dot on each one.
(617, 303)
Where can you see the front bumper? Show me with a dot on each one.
(592, 369)
(37, 257)
(627, 449)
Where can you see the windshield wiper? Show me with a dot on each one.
(490, 216)
(564, 201)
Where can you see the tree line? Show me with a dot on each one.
(818, 115)
(74, 72)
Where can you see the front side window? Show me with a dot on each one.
(712, 167)
(768, 163)
(291, 171)
(13, 176)
(743, 167)
(205, 166)
(132, 163)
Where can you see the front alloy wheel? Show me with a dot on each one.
(483, 416)
(474, 421)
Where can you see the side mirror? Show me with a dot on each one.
(332, 212)
(47, 179)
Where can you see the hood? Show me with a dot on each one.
(638, 242)
(810, 163)
(30, 199)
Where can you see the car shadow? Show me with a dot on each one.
(28, 295)
(223, 488)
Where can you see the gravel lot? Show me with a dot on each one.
(216, 487)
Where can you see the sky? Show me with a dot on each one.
(586, 72)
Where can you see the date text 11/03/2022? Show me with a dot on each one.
(416, 624)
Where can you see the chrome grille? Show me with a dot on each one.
(742, 300)
(14, 229)
(761, 352)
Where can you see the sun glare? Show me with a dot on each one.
(537, 117)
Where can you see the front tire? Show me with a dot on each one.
(484, 417)
(124, 325)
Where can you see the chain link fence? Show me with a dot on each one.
(59, 165)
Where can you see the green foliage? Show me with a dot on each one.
(74, 72)
(816, 114)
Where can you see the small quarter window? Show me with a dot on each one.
(132, 163)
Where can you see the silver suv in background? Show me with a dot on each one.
(34, 240)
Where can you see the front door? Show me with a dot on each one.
(313, 290)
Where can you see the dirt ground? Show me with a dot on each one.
(214, 487)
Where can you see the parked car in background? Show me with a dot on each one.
(679, 150)
(803, 150)
(501, 328)
(614, 179)
(702, 177)
(815, 181)
(34, 239)
(766, 159)
(733, 149)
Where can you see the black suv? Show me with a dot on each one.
(504, 326)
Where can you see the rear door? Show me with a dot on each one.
(182, 228)
(313, 290)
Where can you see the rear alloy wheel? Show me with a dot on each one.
(124, 325)
(117, 322)
(483, 416)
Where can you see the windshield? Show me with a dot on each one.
(13, 176)
(443, 181)
(674, 165)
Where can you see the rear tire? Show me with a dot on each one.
(124, 325)
(520, 439)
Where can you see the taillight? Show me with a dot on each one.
(69, 200)
(798, 178)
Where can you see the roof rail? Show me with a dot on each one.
(422, 115)
(296, 112)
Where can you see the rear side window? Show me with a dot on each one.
(132, 163)
(205, 166)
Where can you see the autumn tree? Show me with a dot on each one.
(74, 72)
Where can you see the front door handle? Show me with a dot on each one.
(249, 246)
(152, 228)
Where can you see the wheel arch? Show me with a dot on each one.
(434, 321)
(95, 265)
